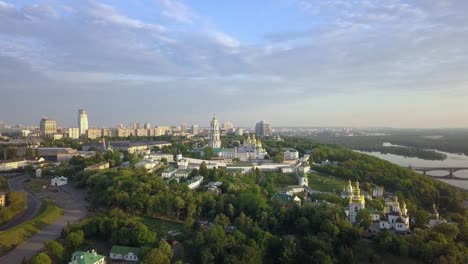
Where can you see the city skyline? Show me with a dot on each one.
(296, 63)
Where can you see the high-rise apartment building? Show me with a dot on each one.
(82, 121)
(74, 132)
(263, 129)
(183, 128)
(194, 129)
(215, 139)
(47, 127)
(147, 126)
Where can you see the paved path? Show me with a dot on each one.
(74, 209)
(33, 203)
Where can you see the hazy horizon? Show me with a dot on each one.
(359, 63)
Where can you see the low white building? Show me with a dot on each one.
(158, 156)
(169, 172)
(195, 182)
(288, 169)
(184, 173)
(182, 163)
(124, 253)
(290, 154)
(291, 189)
(59, 181)
(148, 165)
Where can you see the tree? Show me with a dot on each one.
(156, 256)
(203, 170)
(364, 218)
(55, 250)
(75, 239)
(41, 258)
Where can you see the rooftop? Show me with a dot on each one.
(124, 250)
(86, 257)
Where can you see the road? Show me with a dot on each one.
(33, 204)
(74, 207)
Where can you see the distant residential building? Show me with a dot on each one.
(215, 139)
(2, 199)
(195, 129)
(25, 132)
(125, 132)
(141, 132)
(13, 164)
(183, 128)
(263, 129)
(74, 132)
(108, 132)
(137, 146)
(290, 154)
(99, 166)
(124, 253)
(93, 133)
(59, 181)
(82, 121)
(147, 126)
(88, 257)
(47, 127)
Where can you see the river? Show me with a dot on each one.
(452, 160)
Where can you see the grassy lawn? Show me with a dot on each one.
(325, 183)
(161, 227)
(11, 238)
(35, 185)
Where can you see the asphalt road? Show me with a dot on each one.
(33, 203)
(74, 207)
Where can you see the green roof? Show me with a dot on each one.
(124, 250)
(183, 171)
(283, 197)
(86, 257)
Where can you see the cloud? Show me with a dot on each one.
(174, 56)
(103, 13)
(177, 10)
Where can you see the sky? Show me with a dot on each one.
(389, 63)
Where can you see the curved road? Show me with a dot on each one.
(74, 209)
(33, 203)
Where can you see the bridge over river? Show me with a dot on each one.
(450, 171)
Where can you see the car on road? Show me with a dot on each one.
(27, 180)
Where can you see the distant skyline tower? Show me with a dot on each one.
(262, 129)
(195, 129)
(183, 128)
(215, 139)
(82, 121)
(47, 127)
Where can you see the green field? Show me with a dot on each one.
(11, 238)
(325, 183)
(161, 227)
